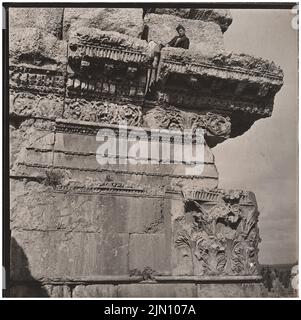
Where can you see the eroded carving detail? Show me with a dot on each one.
(222, 237)
(165, 118)
(102, 112)
(214, 124)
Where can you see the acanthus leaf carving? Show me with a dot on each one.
(222, 237)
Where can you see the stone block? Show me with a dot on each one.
(33, 290)
(229, 290)
(123, 20)
(58, 291)
(49, 20)
(149, 250)
(95, 291)
(220, 16)
(82, 212)
(37, 48)
(205, 37)
(179, 290)
(46, 254)
(32, 105)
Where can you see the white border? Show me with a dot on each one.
(162, 299)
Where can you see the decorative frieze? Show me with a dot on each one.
(174, 119)
(25, 104)
(37, 80)
(102, 112)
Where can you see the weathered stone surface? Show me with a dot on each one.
(157, 290)
(76, 222)
(94, 291)
(58, 291)
(106, 37)
(31, 46)
(229, 290)
(35, 290)
(220, 16)
(149, 250)
(25, 104)
(123, 20)
(25, 140)
(218, 234)
(234, 61)
(205, 37)
(59, 254)
(80, 212)
(49, 20)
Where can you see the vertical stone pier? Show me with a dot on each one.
(129, 229)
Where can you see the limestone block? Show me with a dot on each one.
(34, 47)
(179, 290)
(123, 20)
(49, 20)
(58, 291)
(37, 290)
(205, 37)
(229, 290)
(25, 141)
(27, 104)
(149, 250)
(220, 16)
(46, 254)
(32, 290)
(94, 291)
(82, 212)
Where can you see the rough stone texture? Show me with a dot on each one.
(49, 20)
(58, 291)
(37, 290)
(28, 291)
(46, 254)
(35, 47)
(82, 212)
(94, 291)
(149, 250)
(220, 16)
(27, 137)
(180, 290)
(81, 229)
(229, 290)
(225, 59)
(103, 37)
(205, 37)
(25, 105)
(122, 20)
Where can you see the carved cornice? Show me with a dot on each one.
(221, 102)
(117, 171)
(37, 80)
(235, 65)
(94, 44)
(216, 195)
(103, 52)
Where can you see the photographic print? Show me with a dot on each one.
(153, 151)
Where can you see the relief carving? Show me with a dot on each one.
(222, 238)
(102, 112)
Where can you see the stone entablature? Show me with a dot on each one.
(126, 229)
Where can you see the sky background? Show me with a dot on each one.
(264, 159)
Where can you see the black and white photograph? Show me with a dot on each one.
(150, 150)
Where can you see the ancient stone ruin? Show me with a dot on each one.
(79, 229)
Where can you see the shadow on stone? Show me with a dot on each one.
(22, 283)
